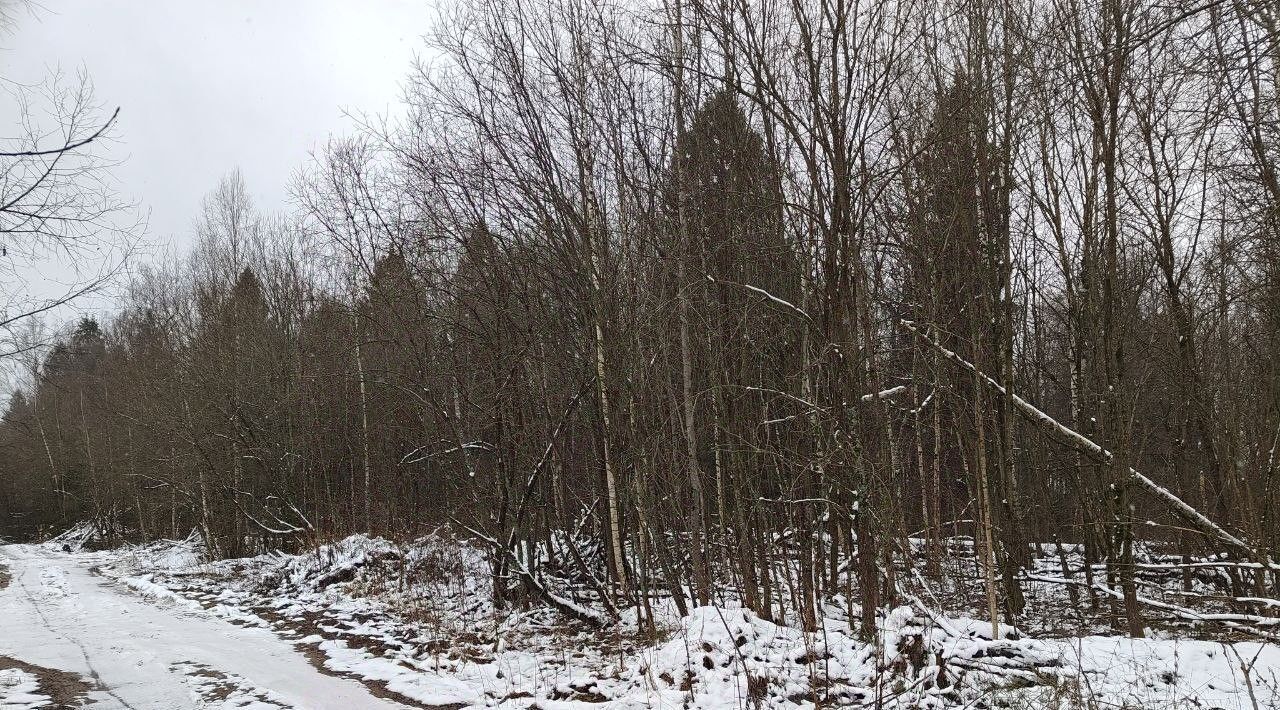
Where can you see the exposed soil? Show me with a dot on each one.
(308, 624)
(67, 690)
(214, 686)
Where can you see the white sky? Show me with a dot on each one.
(205, 87)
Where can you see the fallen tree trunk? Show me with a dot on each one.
(1246, 623)
(1197, 520)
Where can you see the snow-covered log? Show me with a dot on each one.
(1247, 623)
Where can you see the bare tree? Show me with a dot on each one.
(58, 205)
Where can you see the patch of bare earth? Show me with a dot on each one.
(4, 576)
(308, 624)
(214, 686)
(66, 690)
(295, 627)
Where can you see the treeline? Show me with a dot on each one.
(725, 298)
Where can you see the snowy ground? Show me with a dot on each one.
(142, 654)
(366, 623)
(20, 689)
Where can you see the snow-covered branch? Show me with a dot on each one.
(1238, 622)
(884, 394)
(536, 585)
(1087, 446)
(757, 290)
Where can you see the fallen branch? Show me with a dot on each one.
(1260, 601)
(523, 508)
(1239, 622)
(534, 583)
(1087, 446)
(1202, 564)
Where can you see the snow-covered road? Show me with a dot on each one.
(142, 655)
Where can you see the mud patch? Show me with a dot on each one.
(4, 576)
(64, 690)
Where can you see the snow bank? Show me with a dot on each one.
(432, 560)
(339, 561)
(147, 588)
(168, 555)
(732, 658)
(416, 619)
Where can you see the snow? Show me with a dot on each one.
(56, 613)
(167, 555)
(885, 394)
(20, 690)
(214, 689)
(414, 620)
(424, 687)
(1162, 672)
(144, 586)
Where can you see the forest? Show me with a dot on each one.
(770, 301)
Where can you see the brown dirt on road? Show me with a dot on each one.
(308, 623)
(67, 690)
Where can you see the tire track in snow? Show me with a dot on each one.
(44, 620)
(135, 649)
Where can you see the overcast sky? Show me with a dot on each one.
(205, 87)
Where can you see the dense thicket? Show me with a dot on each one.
(662, 298)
